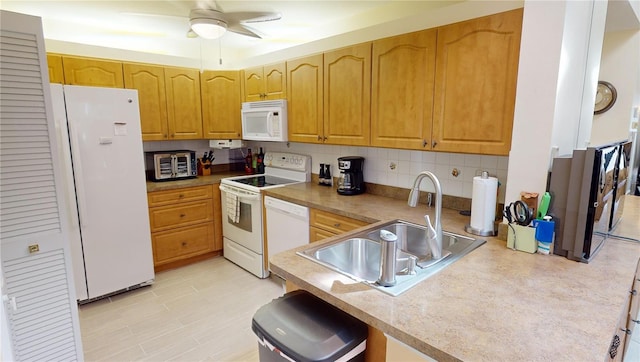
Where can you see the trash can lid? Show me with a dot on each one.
(306, 328)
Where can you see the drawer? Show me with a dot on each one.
(316, 234)
(181, 243)
(188, 194)
(179, 215)
(334, 223)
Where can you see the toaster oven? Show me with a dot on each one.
(170, 165)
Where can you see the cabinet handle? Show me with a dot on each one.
(636, 321)
(325, 138)
(166, 136)
(424, 143)
(173, 135)
(319, 138)
(634, 292)
(184, 243)
(183, 215)
(626, 331)
(336, 225)
(434, 144)
(181, 196)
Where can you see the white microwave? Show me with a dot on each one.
(265, 120)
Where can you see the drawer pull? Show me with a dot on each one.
(181, 196)
(183, 215)
(184, 243)
(336, 225)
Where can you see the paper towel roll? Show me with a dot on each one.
(483, 203)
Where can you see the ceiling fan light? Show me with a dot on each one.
(208, 28)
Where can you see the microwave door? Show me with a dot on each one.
(255, 124)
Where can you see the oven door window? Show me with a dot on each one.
(245, 219)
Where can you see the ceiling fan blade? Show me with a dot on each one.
(240, 29)
(251, 16)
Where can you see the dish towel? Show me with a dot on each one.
(233, 208)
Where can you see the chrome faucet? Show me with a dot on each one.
(435, 235)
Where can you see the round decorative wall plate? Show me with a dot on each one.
(605, 97)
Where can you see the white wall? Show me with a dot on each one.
(620, 65)
(557, 78)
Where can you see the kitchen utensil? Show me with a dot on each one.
(544, 206)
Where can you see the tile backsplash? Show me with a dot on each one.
(394, 167)
(384, 166)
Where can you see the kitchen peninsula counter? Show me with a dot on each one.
(494, 304)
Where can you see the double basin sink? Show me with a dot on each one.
(358, 255)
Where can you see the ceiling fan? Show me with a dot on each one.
(211, 23)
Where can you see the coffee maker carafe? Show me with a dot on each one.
(351, 181)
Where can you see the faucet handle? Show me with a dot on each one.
(431, 231)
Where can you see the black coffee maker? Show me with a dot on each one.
(351, 181)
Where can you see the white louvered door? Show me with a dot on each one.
(38, 293)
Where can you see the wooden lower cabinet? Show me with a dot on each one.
(323, 224)
(185, 225)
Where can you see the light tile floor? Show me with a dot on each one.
(200, 312)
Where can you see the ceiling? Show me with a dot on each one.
(161, 26)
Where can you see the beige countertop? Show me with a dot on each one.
(494, 304)
(198, 181)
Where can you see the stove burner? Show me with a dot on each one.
(263, 181)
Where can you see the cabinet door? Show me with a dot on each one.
(183, 103)
(56, 71)
(402, 94)
(304, 87)
(221, 105)
(149, 81)
(275, 81)
(253, 84)
(92, 72)
(181, 243)
(347, 95)
(475, 87)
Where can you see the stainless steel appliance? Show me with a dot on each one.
(171, 165)
(265, 120)
(582, 188)
(351, 181)
(242, 229)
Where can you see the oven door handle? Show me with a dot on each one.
(239, 193)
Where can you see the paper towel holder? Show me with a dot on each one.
(471, 230)
(474, 231)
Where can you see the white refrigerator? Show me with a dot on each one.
(100, 146)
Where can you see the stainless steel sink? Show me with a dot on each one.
(358, 256)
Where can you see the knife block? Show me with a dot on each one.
(204, 167)
(524, 238)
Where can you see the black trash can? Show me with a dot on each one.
(301, 327)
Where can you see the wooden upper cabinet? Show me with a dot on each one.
(347, 95)
(475, 87)
(56, 71)
(305, 106)
(403, 70)
(184, 112)
(253, 84)
(92, 72)
(265, 83)
(149, 81)
(221, 103)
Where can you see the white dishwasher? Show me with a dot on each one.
(287, 225)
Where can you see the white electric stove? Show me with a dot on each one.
(242, 208)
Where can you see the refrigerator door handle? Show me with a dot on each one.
(79, 181)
